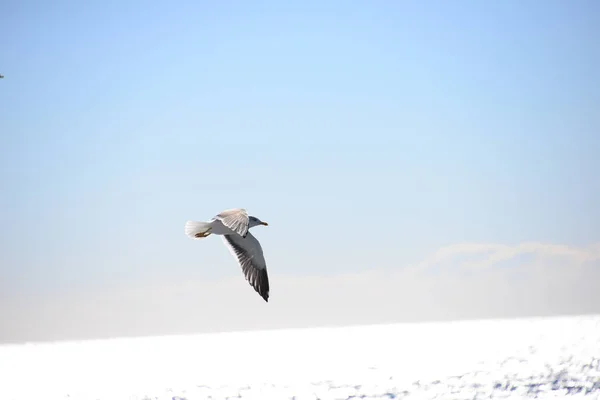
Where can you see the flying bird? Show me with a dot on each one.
(234, 225)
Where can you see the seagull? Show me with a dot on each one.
(234, 225)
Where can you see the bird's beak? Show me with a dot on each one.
(264, 223)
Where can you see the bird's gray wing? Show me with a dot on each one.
(250, 257)
(235, 219)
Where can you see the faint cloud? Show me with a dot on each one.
(489, 254)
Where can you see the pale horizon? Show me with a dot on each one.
(459, 282)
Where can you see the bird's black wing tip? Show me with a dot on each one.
(262, 284)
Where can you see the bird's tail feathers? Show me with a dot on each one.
(197, 229)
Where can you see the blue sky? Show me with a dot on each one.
(410, 125)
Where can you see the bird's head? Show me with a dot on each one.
(253, 221)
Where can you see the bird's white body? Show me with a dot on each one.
(219, 229)
(215, 226)
(234, 225)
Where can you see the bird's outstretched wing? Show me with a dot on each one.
(250, 257)
(235, 219)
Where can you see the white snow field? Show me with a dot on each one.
(521, 358)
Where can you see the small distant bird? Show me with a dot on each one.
(1, 76)
(234, 225)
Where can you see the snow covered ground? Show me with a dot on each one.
(543, 358)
